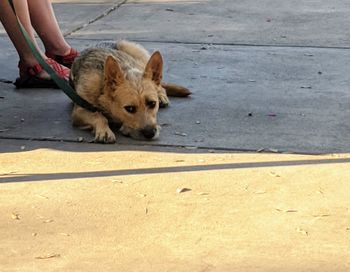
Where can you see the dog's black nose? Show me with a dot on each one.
(149, 132)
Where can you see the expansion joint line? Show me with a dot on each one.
(99, 17)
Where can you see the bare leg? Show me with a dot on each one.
(9, 21)
(45, 24)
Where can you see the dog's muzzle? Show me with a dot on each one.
(149, 132)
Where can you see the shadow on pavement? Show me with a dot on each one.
(164, 170)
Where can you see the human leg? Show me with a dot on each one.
(9, 22)
(29, 69)
(45, 24)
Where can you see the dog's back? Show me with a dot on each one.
(135, 50)
(92, 60)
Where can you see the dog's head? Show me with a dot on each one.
(133, 100)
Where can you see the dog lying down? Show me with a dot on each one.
(125, 83)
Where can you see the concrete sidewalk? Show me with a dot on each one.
(266, 76)
(69, 207)
(288, 94)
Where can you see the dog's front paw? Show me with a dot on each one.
(163, 100)
(105, 136)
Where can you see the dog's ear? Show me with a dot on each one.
(154, 68)
(113, 75)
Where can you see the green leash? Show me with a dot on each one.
(61, 83)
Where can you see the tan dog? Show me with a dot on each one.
(125, 84)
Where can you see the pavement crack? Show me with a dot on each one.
(97, 18)
(228, 44)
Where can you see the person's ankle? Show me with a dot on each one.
(30, 60)
(60, 51)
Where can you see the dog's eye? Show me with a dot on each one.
(151, 104)
(130, 109)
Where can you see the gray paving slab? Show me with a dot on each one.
(72, 16)
(268, 22)
(298, 100)
(9, 60)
